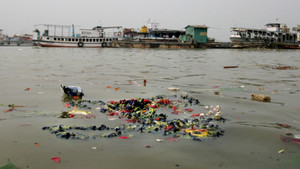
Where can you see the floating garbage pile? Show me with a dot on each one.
(143, 116)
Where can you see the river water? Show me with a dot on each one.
(252, 130)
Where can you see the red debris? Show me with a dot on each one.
(56, 159)
(188, 109)
(169, 127)
(164, 101)
(8, 110)
(123, 137)
(131, 120)
(175, 112)
(172, 139)
(67, 105)
(112, 114)
(195, 115)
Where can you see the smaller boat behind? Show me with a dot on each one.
(72, 91)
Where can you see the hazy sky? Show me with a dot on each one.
(20, 16)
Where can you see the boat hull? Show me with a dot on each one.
(72, 45)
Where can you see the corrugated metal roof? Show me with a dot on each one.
(197, 26)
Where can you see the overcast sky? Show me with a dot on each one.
(20, 16)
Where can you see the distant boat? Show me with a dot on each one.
(88, 38)
(274, 32)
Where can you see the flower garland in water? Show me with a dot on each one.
(143, 114)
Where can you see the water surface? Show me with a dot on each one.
(251, 140)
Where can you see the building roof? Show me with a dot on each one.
(197, 26)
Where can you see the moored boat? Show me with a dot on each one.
(274, 32)
(96, 37)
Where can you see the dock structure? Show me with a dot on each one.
(1, 38)
(195, 36)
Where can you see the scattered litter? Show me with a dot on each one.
(145, 81)
(228, 67)
(159, 140)
(27, 89)
(9, 110)
(297, 136)
(143, 116)
(197, 132)
(79, 112)
(117, 88)
(94, 148)
(72, 91)
(188, 109)
(279, 67)
(217, 93)
(37, 144)
(41, 93)
(282, 150)
(172, 139)
(56, 159)
(173, 89)
(123, 137)
(290, 139)
(13, 105)
(285, 67)
(148, 146)
(9, 165)
(283, 125)
(260, 97)
(67, 105)
(108, 87)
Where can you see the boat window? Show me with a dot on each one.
(48, 38)
(69, 39)
(76, 40)
(54, 38)
(83, 40)
(94, 40)
(58, 38)
(90, 40)
(100, 40)
(73, 39)
(97, 40)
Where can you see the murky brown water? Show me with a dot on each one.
(251, 140)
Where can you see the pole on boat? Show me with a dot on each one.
(73, 33)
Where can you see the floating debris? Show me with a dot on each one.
(282, 150)
(173, 89)
(9, 165)
(144, 116)
(56, 159)
(229, 67)
(260, 97)
(72, 91)
(279, 67)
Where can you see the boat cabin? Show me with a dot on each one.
(274, 32)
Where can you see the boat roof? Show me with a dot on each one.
(246, 29)
(197, 26)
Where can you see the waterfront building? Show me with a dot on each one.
(195, 34)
